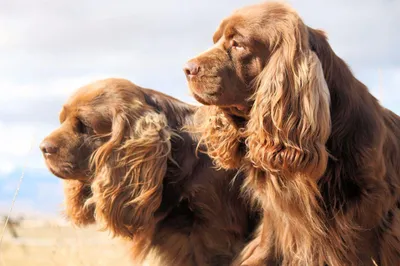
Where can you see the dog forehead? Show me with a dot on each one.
(242, 23)
(255, 16)
(82, 97)
(85, 95)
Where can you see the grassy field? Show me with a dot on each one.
(43, 244)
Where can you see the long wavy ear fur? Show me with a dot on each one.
(290, 119)
(129, 172)
(220, 136)
(77, 194)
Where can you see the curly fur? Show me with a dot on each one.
(319, 149)
(141, 180)
(222, 140)
(126, 199)
(75, 208)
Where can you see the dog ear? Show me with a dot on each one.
(129, 172)
(290, 119)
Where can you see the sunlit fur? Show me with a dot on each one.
(222, 139)
(76, 194)
(320, 154)
(143, 180)
(129, 171)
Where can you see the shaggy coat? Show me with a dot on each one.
(128, 165)
(320, 153)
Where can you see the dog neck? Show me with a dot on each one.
(178, 113)
(183, 159)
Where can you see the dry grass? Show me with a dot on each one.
(61, 245)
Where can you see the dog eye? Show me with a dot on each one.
(82, 127)
(236, 45)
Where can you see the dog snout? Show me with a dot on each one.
(48, 147)
(191, 69)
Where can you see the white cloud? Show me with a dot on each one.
(19, 146)
(6, 167)
(16, 140)
(361, 31)
(48, 88)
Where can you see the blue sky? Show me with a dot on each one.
(50, 48)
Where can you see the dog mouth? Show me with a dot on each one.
(57, 173)
(206, 97)
(62, 171)
(202, 99)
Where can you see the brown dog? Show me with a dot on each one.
(321, 155)
(128, 165)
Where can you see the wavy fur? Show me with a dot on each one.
(221, 138)
(126, 198)
(146, 184)
(320, 150)
(76, 208)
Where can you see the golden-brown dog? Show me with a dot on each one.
(321, 155)
(128, 165)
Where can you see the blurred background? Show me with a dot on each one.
(50, 48)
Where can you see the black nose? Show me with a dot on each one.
(191, 69)
(48, 147)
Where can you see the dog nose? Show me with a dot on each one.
(191, 69)
(48, 147)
